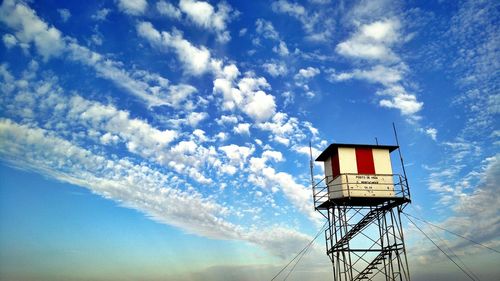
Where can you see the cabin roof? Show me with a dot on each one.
(333, 147)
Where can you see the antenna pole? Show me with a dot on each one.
(311, 165)
(401, 158)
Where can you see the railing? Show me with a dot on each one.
(336, 187)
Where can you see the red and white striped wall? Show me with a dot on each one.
(358, 160)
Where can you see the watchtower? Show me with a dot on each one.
(362, 199)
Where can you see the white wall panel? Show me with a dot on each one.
(347, 160)
(382, 161)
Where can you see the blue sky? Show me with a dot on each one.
(158, 140)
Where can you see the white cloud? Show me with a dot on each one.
(320, 2)
(64, 116)
(305, 150)
(194, 118)
(292, 9)
(267, 177)
(227, 119)
(133, 186)
(318, 25)
(400, 99)
(385, 31)
(229, 72)
(49, 42)
(200, 12)
(167, 9)
(105, 124)
(273, 155)
(236, 154)
(462, 149)
(473, 34)
(147, 31)
(204, 15)
(232, 97)
(152, 88)
(200, 135)
(480, 206)
(30, 29)
(222, 136)
(139, 136)
(279, 240)
(108, 138)
(196, 61)
(65, 14)
(111, 126)
(266, 29)
(242, 129)
(260, 106)
(178, 94)
(391, 77)
(469, 203)
(378, 74)
(366, 11)
(9, 40)
(302, 78)
(372, 41)
(249, 84)
(101, 14)
(96, 39)
(247, 96)
(228, 169)
(307, 73)
(275, 69)
(283, 129)
(314, 131)
(431, 132)
(185, 147)
(136, 186)
(281, 49)
(132, 7)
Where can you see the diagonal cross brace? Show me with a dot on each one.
(362, 224)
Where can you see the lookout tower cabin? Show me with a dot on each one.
(358, 174)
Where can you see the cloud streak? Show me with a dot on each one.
(50, 43)
(373, 42)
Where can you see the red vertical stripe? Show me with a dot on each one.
(335, 165)
(364, 161)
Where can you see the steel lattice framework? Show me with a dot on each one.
(364, 238)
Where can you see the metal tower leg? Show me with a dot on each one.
(383, 256)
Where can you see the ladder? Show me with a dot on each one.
(363, 275)
(357, 228)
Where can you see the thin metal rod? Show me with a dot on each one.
(381, 233)
(401, 158)
(301, 251)
(395, 237)
(390, 266)
(456, 234)
(311, 167)
(448, 248)
(399, 209)
(437, 246)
